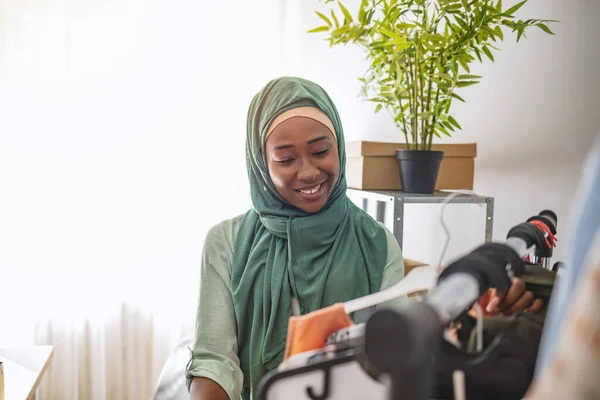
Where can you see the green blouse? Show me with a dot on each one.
(214, 353)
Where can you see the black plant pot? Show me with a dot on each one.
(419, 170)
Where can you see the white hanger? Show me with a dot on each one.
(458, 385)
(447, 200)
(458, 376)
(418, 279)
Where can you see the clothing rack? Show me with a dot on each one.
(392, 356)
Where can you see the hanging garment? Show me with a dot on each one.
(310, 331)
(580, 236)
(572, 370)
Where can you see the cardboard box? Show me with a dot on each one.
(373, 166)
(409, 265)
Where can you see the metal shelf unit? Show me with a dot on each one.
(376, 203)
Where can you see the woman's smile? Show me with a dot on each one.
(313, 192)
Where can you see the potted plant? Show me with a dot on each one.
(420, 52)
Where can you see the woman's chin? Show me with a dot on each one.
(312, 202)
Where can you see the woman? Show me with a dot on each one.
(303, 246)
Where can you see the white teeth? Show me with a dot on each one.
(311, 191)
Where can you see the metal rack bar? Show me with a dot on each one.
(398, 199)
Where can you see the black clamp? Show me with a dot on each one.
(492, 265)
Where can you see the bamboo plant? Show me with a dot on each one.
(420, 53)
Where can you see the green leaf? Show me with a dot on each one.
(404, 25)
(487, 53)
(369, 16)
(440, 128)
(378, 108)
(437, 38)
(335, 20)
(545, 28)
(323, 28)
(461, 84)
(324, 18)
(514, 8)
(462, 77)
(491, 32)
(362, 14)
(499, 6)
(346, 13)
(460, 21)
(398, 40)
(455, 6)
(457, 97)
(400, 43)
(454, 122)
(377, 45)
(498, 31)
(448, 126)
(519, 34)
(477, 53)
(389, 33)
(464, 64)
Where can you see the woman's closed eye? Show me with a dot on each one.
(284, 161)
(321, 153)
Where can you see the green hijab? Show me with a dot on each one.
(335, 255)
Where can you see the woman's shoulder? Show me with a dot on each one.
(225, 232)
(388, 234)
(219, 245)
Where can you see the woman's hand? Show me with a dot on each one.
(517, 299)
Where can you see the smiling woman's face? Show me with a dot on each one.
(303, 162)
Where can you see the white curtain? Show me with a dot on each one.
(122, 127)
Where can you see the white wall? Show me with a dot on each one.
(113, 115)
(533, 116)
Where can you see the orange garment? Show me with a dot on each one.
(310, 331)
(485, 300)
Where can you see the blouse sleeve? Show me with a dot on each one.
(214, 354)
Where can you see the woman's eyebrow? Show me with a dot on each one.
(311, 141)
(317, 139)
(283, 146)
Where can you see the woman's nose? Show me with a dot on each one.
(308, 172)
